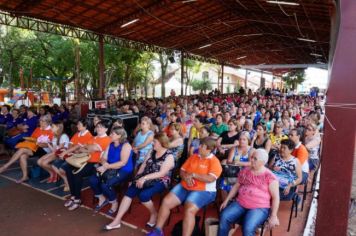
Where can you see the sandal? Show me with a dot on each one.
(98, 207)
(75, 205)
(111, 212)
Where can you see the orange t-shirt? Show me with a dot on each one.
(301, 153)
(103, 143)
(81, 139)
(42, 132)
(183, 130)
(198, 165)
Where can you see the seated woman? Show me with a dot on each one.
(116, 167)
(176, 143)
(204, 132)
(248, 126)
(261, 139)
(41, 136)
(60, 141)
(288, 170)
(94, 148)
(312, 143)
(155, 171)
(26, 129)
(238, 156)
(228, 139)
(81, 138)
(257, 199)
(219, 127)
(142, 144)
(197, 189)
(276, 137)
(194, 128)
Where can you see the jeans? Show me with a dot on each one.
(250, 219)
(106, 188)
(75, 181)
(145, 194)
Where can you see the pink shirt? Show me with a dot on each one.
(254, 189)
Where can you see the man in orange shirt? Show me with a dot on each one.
(300, 152)
(197, 188)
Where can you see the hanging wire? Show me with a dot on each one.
(296, 20)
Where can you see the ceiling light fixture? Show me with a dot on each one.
(316, 55)
(129, 23)
(205, 46)
(284, 3)
(307, 40)
(188, 1)
(242, 57)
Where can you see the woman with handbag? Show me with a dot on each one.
(33, 146)
(238, 158)
(116, 167)
(60, 141)
(26, 129)
(81, 138)
(90, 155)
(153, 177)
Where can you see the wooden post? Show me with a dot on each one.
(101, 67)
(339, 132)
(181, 73)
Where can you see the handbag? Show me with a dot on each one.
(231, 171)
(78, 161)
(148, 183)
(14, 131)
(108, 174)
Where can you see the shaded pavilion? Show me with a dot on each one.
(255, 34)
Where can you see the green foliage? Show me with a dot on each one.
(294, 77)
(55, 56)
(201, 85)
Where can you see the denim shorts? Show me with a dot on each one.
(198, 198)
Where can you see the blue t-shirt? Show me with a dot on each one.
(5, 118)
(114, 155)
(31, 123)
(14, 122)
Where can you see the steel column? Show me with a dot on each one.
(222, 78)
(339, 133)
(181, 73)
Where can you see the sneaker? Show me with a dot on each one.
(69, 202)
(155, 232)
(75, 205)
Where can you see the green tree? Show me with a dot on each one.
(163, 61)
(201, 85)
(192, 67)
(294, 77)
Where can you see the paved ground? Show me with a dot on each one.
(25, 212)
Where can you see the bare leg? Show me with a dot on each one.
(169, 202)
(23, 165)
(124, 206)
(44, 163)
(13, 159)
(63, 175)
(153, 213)
(190, 210)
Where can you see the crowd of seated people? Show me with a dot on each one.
(272, 142)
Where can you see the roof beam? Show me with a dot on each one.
(26, 5)
(283, 66)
